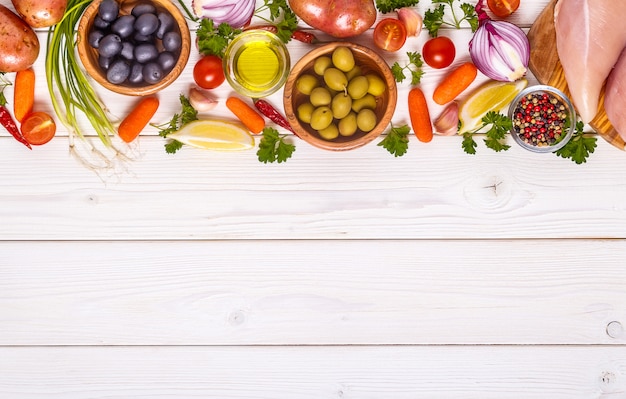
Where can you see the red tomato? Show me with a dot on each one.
(503, 8)
(390, 34)
(208, 72)
(439, 52)
(38, 128)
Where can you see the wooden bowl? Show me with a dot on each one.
(370, 62)
(89, 56)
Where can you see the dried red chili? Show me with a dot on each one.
(270, 112)
(299, 35)
(6, 119)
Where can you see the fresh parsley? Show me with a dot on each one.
(213, 40)
(500, 126)
(579, 147)
(386, 6)
(187, 114)
(397, 140)
(436, 18)
(280, 16)
(414, 66)
(273, 148)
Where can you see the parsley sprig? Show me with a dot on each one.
(187, 114)
(436, 18)
(281, 16)
(500, 126)
(386, 6)
(273, 147)
(397, 140)
(579, 147)
(414, 66)
(213, 40)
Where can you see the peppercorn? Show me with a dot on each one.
(540, 119)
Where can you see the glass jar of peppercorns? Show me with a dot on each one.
(543, 118)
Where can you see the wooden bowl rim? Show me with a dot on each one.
(360, 141)
(87, 54)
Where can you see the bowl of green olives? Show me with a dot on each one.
(133, 47)
(340, 96)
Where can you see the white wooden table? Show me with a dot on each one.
(333, 275)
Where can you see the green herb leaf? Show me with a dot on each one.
(397, 140)
(500, 125)
(414, 66)
(469, 15)
(188, 114)
(273, 148)
(579, 147)
(469, 145)
(386, 6)
(3, 84)
(281, 16)
(213, 40)
(434, 19)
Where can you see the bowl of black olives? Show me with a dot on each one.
(133, 47)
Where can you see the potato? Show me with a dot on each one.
(40, 13)
(19, 46)
(338, 18)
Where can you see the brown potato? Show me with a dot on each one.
(338, 18)
(40, 13)
(19, 45)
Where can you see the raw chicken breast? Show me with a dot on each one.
(615, 96)
(590, 36)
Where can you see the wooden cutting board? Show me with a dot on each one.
(545, 65)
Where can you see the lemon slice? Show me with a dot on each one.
(491, 96)
(214, 135)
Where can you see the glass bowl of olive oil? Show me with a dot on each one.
(256, 63)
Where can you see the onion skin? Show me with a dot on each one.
(499, 49)
(338, 18)
(236, 13)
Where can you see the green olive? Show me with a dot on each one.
(305, 110)
(367, 101)
(335, 79)
(347, 126)
(354, 72)
(366, 120)
(320, 96)
(321, 64)
(377, 86)
(321, 117)
(343, 59)
(306, 83)
(329, 133)
(357, 88)
(341, 105)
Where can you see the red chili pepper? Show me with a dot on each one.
(7, 121)
(299, 35)
(266, 109)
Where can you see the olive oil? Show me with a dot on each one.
(257, 66)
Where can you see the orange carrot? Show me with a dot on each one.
(24, 93)
(420, 117)
(138, 118)
(454, 83)
(246, 114)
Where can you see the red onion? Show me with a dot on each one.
(499, 49)
(236, 13)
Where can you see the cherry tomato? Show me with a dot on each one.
(38, 128)
(439, 52)
(390, 34)
(503, 8)
(208, 72)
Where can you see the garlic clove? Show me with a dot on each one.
(411, 19)
(447, 124)
(200, 100)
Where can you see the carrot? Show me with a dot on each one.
(138, 118)
(420, 117)
(246, 114)
(24, 93)
(454, 83)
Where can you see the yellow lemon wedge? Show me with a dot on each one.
(214, 135)
(491, 96)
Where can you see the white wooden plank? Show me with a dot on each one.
(434, 191)
(312, 292)
(402, 372)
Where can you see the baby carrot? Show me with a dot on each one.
(420, 117)
(24, 97)
(454, 83)
(246, 114)
(138, 118)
